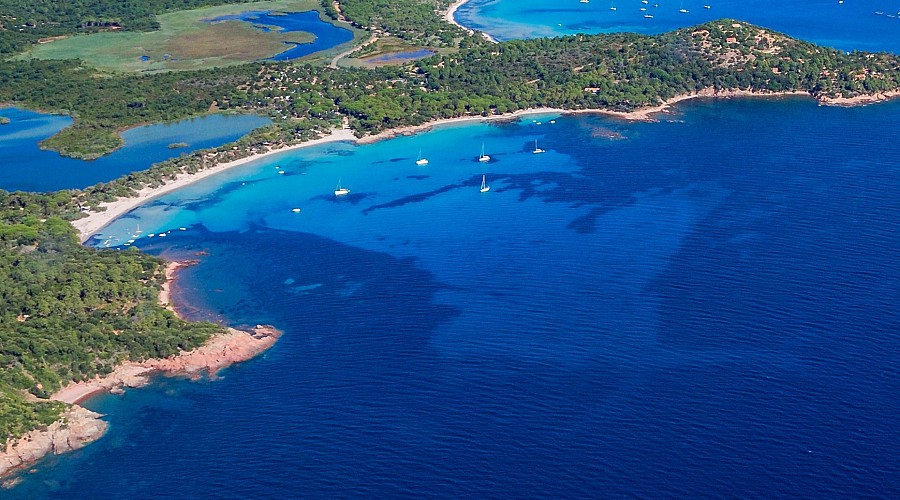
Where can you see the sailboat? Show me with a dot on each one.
(537, 150)
(339, 191)
(682, 9)
(421, 161)
(612, 6)
(484, 187)
(483, 157)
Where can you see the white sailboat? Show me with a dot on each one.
(612, 6)
(484, 187)
(537, 150)
(339, 191)
(421, 161)
(483, 157)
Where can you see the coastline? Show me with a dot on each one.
(450, 17)
(95, 221)
(220, 351)
(78, 426)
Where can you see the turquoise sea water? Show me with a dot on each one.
(849, 25)
(699, 307)
(26, 167)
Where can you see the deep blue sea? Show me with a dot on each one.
(326, 34)
(705, 306)
(24, 166)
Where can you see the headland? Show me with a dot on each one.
(79, 426)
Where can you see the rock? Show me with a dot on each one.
(76, 427)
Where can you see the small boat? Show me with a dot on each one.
(707, 7)
(421, 161)
(648, 16)
(297, 210)
(484, 187)
(643, 8)
(683, 11)
(339, 191)
(584, 1)
(537, 150)
(483, 157)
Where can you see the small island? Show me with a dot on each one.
(178, 145)
(4, 120)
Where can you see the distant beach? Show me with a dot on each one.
(449, 16)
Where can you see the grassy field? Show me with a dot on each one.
(184, 41)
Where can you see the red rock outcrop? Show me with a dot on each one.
(76, 428)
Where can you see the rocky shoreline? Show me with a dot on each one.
(79, 426)
(76, 428)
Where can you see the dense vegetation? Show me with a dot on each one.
(103, 106)
(412, 20)
(70, 312)
(26, 21)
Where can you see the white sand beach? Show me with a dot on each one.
(96, 221)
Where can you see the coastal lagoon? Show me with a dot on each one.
(326, 35)
(28, 168)
(850, 25)
(692, 307)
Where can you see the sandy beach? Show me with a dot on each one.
(451, 12)
(95, 221)
(449, 16)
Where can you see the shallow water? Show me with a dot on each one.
(24, 166)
